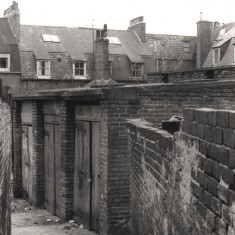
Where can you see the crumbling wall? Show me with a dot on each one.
(5, 168)
(183, 183)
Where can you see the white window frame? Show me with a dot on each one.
(135, 68)
(114, 40)
(38, 69)
(50, 38)
(6, 56)
(79, 76)
(214, 59)
(187, 47)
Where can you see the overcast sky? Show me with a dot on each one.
(163, 17)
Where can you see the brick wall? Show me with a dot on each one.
(103, 168)
(5, 171)
(28, 65)
(219, 73)
(38, 153)
(121, 68)
(183, 184)
(17, 149)
(115, 187)
(61, 66)
(29, 86)
(160, 102)
(11, 80)
(67, 158)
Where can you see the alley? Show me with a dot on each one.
(27, 220)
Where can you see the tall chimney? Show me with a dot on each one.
(101, 54)
(13, 15)
(204, 43)
(139, 26)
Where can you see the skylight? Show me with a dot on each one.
(114, 40)
(50, 38)
(222, 32)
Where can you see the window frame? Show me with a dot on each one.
(135, 70)
(51, 38)
(84, 69)
(39, 68)
(6, 56)
(187, 47)
(215, 62)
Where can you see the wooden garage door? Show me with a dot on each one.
(86, 179)
(27, 160)
(52, 167)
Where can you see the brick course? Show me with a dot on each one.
(189, 190)
(67, 158)
(17, 150)
(5, 171)
(38, 153)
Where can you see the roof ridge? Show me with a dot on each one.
(164, 34)
(73, 27)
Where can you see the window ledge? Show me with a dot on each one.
(5, 70)
(80, 77)
(43, 77)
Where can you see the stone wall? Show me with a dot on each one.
(183, 183)
(5, 171)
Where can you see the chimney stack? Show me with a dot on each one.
(101, 56)
(204, 43)
(13, 15)
(139, 26)
(216, 24)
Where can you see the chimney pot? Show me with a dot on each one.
(216, 24)
(105, 31)
(201, 16)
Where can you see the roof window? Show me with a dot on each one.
(4, 63)
(50, 38)
(114, 40)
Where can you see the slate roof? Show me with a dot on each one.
(223, 41)
(6, 36)
(225, 37)
(77, 42)
(172, 45)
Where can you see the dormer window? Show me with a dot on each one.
(216, 56)
(43, 69)
(137, 70)
(79, 70)
(4, 63)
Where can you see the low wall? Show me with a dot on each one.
(5, 168)
(220, 73)
(162, 101)
(183, 183)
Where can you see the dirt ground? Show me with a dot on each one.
(27, 220)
